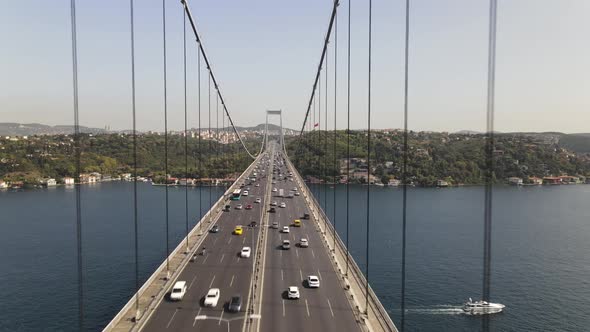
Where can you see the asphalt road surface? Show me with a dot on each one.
(320, 309)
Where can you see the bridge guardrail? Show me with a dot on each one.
(159, 296)
(380, 313)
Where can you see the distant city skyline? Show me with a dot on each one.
(265, 53)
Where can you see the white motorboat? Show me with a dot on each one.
(482, 307)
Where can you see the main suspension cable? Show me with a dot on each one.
(348, 143)
(185, 132)
(211, 75)
(335, 132)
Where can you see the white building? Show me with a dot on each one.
(49, 182)
(515, 181)
(3, 185)
(68, 181)
(394, 183)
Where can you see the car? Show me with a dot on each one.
(252, 224)
(313, 282)
(258, 200)
(293, 292)
(294, 188)
(215, 229)
(235, 304)
(258, 185)
(273, 203)
(245, 253)
(239, 207)
(303, 243)
(283, 205)
(178, 291)
(272, 210)
(274, 190)
(212, 298)
(227, 208)
(238, 230)
(249, 207)
(297, 223)
(275, 225)
(305, 216)
(297, 193)
(245, 193)
(285, 229)
(248, 189)
(291, 195)
(286, 245)
(274, 182)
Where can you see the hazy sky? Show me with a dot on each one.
(265, 53)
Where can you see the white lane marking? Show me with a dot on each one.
(222, 256)
(215, 240)
(244, 241)
(198, 314)
(330, 305)
(281, 252)
(301, 274)
(297, 253)
(211, 284)
(220, 318)
(229, 241)
(312, 253)
(307, 307)
(283, 308)
(232, 281)
(195, 277)
(238, 259)
(282, 277)
(320, 274)
(170, 321)
(204, 260)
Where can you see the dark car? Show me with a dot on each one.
(252, 224)
(272, 210)
(227, 208)
(305, 216)
(235, 304)
(215, 229)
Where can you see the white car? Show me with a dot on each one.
(303, 243)
(313, 282)
(258, 200)
(212, 297)
(245, 253)
(258, 185)
(293, 292)
(178, 291)
(239, 207)
(274, 203)
(283, 205)
(245, 193)
(296, 193)
(285, 229)
(274, 190)
(275, 225)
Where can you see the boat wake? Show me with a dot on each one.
(437, 310)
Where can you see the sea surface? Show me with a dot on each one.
(540, 251)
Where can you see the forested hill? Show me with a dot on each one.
(457, 158)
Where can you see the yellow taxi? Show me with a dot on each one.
(238, 230)
(297, 223)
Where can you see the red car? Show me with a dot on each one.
(249, 207)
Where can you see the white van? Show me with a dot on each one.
(178, 291)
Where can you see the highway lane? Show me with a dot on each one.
(221, 268)
(322, 309)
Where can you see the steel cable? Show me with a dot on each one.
(368, 158)
(348, 141)
(185, 130)
(405, 167)
(77, 157)
(166, 139)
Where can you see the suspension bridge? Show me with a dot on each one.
(345, 300)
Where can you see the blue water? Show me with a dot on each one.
(540, 252)
(38, 250)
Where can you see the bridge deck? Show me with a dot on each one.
(328, 308)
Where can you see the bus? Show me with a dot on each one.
(235, 196)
